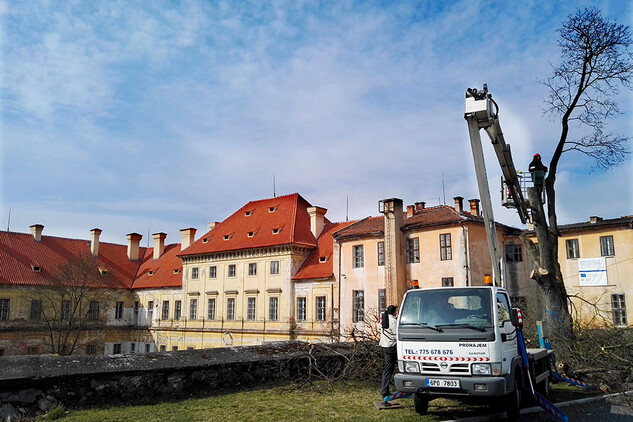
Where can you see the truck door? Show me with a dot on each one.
(508, 332)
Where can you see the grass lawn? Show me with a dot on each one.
(345, 401)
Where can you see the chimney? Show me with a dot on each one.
(159, 244)
(317, 220)
(474, 207)
(94, 241)
(187, 236)
(395, 276)
(459, 204)
(595, 219)
(410, 211)
(213, 224)
(419, 206)
(36, 230)
(133, 241)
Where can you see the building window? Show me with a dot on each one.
(232, 270)
(447, 282)
(32, 351)
(252, 268)
(413, 250)
(358, 306)
(118, 310)
(381, 253)
(301, 309)
(382, 300)
(193, 308)
(148, 348)
(572, 248)
(65, 314)
(194, 273)
(274, 267)
(606, 246)
(618, 307)
(36, 310)
(320, 308)
(359, 256)
(446, 253)
(250, 309)
(230, 309)
(273, 311)
(91, 349)
(211, 309)
(177, 310)
(163, 347)
(150, 311)
(165, 309)
(513, 253)
(116, 349)
(4, 309)
(213, 272)
(93, 311)
(133, 348)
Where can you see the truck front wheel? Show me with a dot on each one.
(421, 403)
(513, 403)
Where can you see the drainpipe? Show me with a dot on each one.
(466, 253)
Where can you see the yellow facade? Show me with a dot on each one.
(595, 303)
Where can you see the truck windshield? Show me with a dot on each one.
(447, 308)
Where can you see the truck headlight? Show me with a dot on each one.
(410, 366)
(481, 369)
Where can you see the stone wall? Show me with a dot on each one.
(87, 381)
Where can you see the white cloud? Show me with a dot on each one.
(183, 112)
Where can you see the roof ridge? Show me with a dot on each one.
(269, 199)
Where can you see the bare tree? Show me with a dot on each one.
(72, 304)
(596, 63)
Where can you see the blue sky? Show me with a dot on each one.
(156, 116)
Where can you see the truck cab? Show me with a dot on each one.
(458, 342)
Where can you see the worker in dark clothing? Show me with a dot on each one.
(387, 329)
(538, 170)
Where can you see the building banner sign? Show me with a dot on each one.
(592, 271)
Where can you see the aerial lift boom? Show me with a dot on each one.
(479, 114)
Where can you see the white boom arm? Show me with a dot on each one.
(478, 112)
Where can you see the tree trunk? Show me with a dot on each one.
(548, 275)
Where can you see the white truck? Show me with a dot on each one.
(461, 342)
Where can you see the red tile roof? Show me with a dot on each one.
(312, 267)
(166, 271)
(365, 227)
(427, 217)
(254, 226)
(19, 252)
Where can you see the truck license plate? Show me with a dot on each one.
(442, 383)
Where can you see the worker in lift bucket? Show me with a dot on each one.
(387, 329)
(538, 170)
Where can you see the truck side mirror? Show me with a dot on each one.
(516, 317)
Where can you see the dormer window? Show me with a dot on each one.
(205, 240)
(272, 209)
(248, 213)
(151, 273)
(251, 234)
(103, 271)
(277, 230)
(177, 270)
(228, 236)
(322, 259)
(36, 268)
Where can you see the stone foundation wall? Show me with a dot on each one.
(135, 379)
